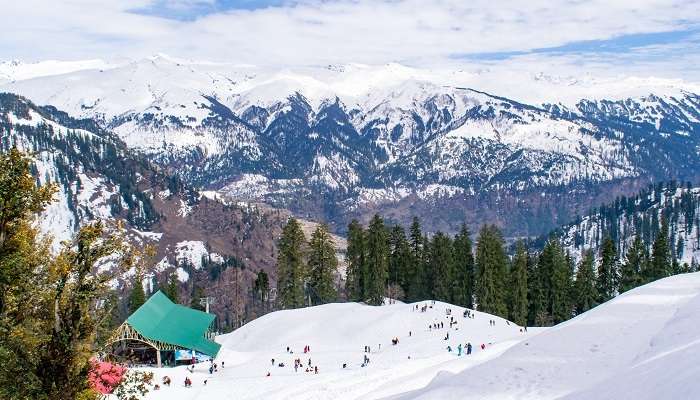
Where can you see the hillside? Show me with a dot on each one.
(641, 214)
(347, 141)
(337, 334)
(637, 346)
(205, 241)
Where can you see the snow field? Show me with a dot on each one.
(641, 345)
(337, 334)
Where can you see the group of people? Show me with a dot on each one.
(436, 325)
(298, 364)
(467, 348)
(424, 307)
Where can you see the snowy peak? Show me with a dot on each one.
(342, 132)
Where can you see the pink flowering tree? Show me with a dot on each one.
(104, 376)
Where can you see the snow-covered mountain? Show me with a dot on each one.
(640, 345)
(640, 214)
(205, 241)
(346, 141)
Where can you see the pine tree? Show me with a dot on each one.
(355, 259)
(172, 289)
(137, 296)
(535, 292)
(562, 280)
(22, 257)
(197, 296)
(660, 266)
(464, 269)
(518, 306)
(417, 287)
(586, 293)
(608, 274)
(377, 269)
(400, 262)
(491, 270)
(634, 265)
(442, 267)
(70, 315)
(323, 266)
(291, 268)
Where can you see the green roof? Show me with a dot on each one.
(162, 320)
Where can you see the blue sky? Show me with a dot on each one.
(196, 9)
(618, 45)
(648, 37)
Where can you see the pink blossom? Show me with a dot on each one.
(105, 377)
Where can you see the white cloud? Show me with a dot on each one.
(319, 32)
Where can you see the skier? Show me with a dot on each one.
(483, 346)
(469, 348)
(459, 350)
(273, 362)
(449, 349)
(316, 370)
(222, 365)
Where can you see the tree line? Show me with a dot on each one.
(530, 287)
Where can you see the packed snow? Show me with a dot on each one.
(337, 335)
(643, 345)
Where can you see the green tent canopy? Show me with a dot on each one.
(161, 320)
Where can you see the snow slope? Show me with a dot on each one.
(642, 345)
(337, 334)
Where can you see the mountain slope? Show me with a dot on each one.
(637, 346)
(337, 334)
(640, 214)
(206, 241)
(391, 138)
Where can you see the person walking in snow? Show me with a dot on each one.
(272, 362)
(449, 349)
(469, 348)
(459, 350)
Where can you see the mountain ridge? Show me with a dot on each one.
(401, 140)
